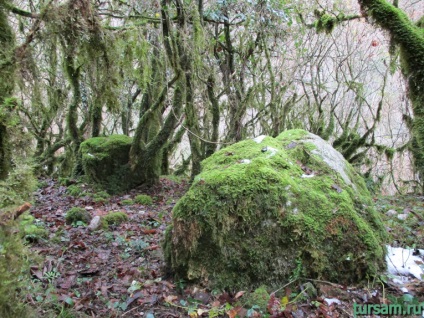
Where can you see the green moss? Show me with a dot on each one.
(326, 22)
(143, 199)
(127, 202)
(105, 161)
(254, 212)
(29, 230)
(18, 187)
(100, 197)
(14, 272)
(259, 298)
(77, 214)
(115, 218)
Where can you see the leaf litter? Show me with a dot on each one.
(119, 271)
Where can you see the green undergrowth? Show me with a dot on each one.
(76, 214)
(100, 197)
(115, 218)
(75, 190)
(14, 272)
(30, 229)
(403, 216)
(18, 187)
(143, 199)
(127, 202)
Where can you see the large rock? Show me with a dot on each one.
(264, 210)
(105, 161)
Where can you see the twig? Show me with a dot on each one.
(130, 310)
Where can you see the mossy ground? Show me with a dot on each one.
(143, 199)
(255, 211)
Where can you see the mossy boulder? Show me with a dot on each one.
(105, 161)
(264, 210)
(76, 214)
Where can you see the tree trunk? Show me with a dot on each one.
(7, 69)
(410, 40)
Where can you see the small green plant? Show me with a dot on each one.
(139, 245)
(74, 190)
(127, 202)
(115, 218)
(31, 229)
(258, 300)
(143, 199)
(42, 184)
(78, 224)
(77, 214)
(51, 276)
(297, 272)
(100, 197)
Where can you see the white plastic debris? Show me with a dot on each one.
(307, 175)
(331, 301)
(404, 290)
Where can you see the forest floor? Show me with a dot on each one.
(120, 272)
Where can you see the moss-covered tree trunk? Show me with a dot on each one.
(7, 69)
(410, 39)
(73, 73)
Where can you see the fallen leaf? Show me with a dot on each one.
(170, 298)
(239, 294)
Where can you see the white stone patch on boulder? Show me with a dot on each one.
(245, 161)
(331, 157)
(272, 151)
(259, 139)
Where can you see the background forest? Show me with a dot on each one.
(187, 78)
(183, 79)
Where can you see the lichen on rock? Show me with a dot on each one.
(261, 207)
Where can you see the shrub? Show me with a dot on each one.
(143, 199)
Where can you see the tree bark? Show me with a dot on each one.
(7, 69)
(410, 40)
